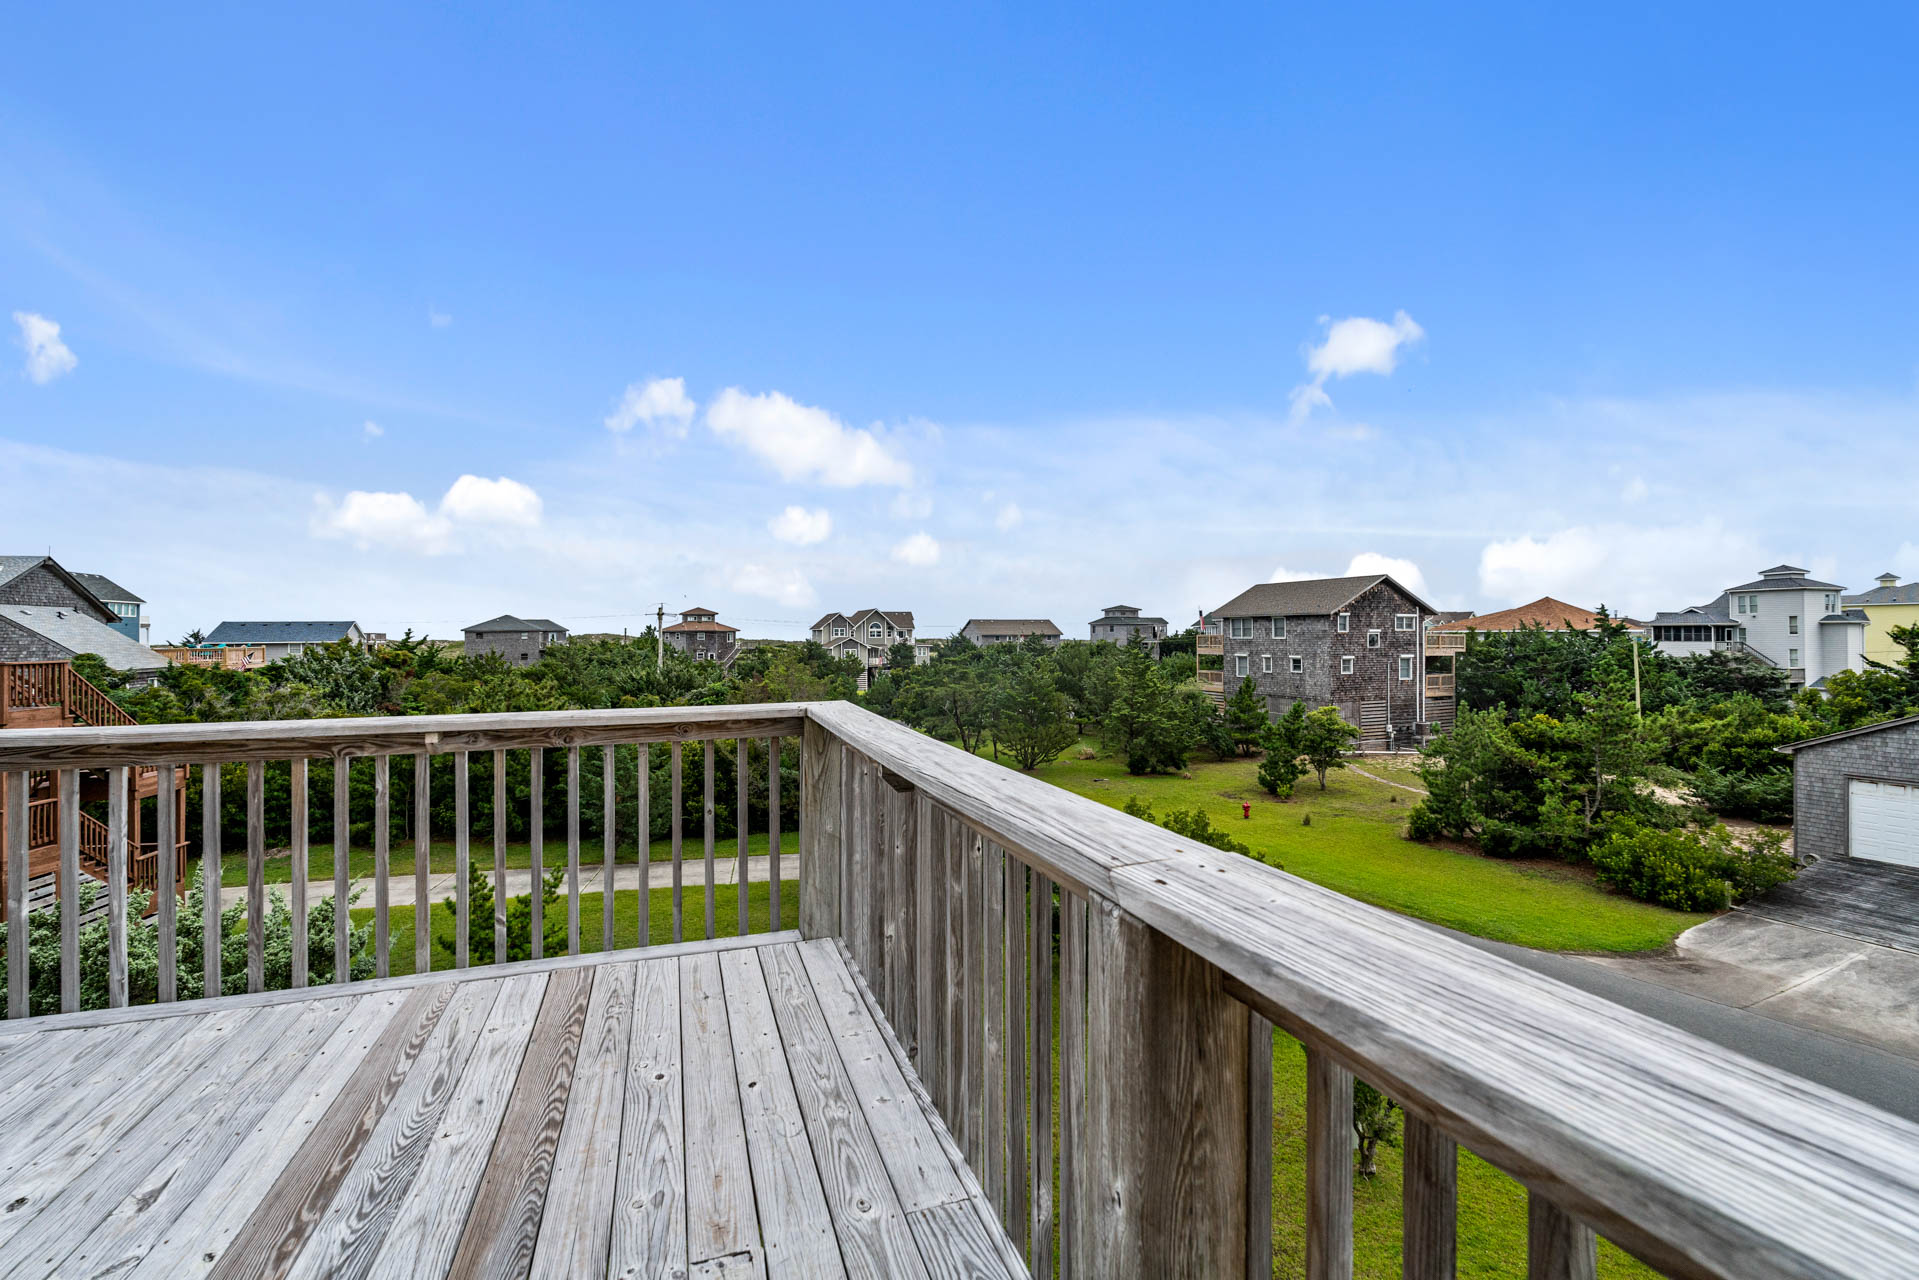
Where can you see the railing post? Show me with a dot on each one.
(821, 839)
(1163, 1169)
(1558, 1245)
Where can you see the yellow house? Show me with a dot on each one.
(1886, 606)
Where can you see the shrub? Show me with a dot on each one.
(1691, 870)
(1191, 823)
(1423, 824)
(1765, 797)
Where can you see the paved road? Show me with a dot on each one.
(1884, 1080)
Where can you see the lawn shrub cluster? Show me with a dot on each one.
(1191, 823)
(1691, 870)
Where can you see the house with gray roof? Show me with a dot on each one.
(1782, 618)
(283, 639)
(129, 619)
(868, 634)
(1888, 605)
(49, 614)
(519, 642)
(1009, 630)
(1119, 623)
(1354, 643)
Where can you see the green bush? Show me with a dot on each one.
(1765, 797)
(1691, 870)
(1423, 824)
(1191, 823)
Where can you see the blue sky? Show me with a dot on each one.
(1023, 312)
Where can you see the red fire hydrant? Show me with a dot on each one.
(1246, 806)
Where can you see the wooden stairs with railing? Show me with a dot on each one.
(48, 695)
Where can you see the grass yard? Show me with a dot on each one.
(1354, 845)
(233, 866)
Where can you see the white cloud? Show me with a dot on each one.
(1635, 491)
(1628, 568)
(659, 402)
(1281, 573)
(908, 505)
(1009, 517)
(401, 521)
(502, 501)
(1354, 431)
(438, 319)
(801, 527)
(372, 430)
(921, 551)
(783, 586)
(47, 356)
(1356, 344)
(1404, 572)
(801, 442)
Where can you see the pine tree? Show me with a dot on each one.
(1246, 716)
(1324, 738)
(1279, 772)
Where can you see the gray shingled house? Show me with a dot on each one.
(519, 641)
(283, 639)
(1356, 643)
(48, 614)
(1855, 793)
(1119, 623)
(1009, 630)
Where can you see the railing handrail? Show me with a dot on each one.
(241, 740)
(1695, 1158)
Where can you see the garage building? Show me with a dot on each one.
(1856, 794)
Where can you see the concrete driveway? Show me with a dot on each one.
(1836, 951)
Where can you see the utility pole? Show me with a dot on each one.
(659, 637)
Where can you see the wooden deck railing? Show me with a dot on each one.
(26, 686)
(1050, 964)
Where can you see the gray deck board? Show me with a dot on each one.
(725, 1110)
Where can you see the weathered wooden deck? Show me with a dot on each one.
(713, 1109)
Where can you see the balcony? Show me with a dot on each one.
(955, 964)
(1439, 685)
(1446, 642)
(1214, 644)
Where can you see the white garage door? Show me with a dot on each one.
(1885, 822)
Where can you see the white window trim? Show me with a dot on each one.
(1345, 664)
(1295, 664)
(1240, 661)
(1239, 628)
(1266, 664)
(1374, 639)
(1405, 622)
(1792, 624)
(1279, 628)
(1406, 671)
(1345, 623)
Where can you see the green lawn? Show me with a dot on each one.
(626, 920)
(1354, 844)
(233, 866)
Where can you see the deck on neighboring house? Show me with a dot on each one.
(716, 1109)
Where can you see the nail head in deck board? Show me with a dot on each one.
(577, 1223)
(875, 1239)
(422, 860)
(278, 1227)
(795, 1224)
(504, 1222)
(348, 1236)
(426, 1228)
(1430, 1202)
(649, 1201)
(920, 1172)
(1558, 1246)
(720, 1217)
(1329, 1168)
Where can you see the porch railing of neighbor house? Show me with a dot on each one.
(1051, 965)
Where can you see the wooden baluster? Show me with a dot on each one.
(573, 851)
(462, 857)
(422, 865)
(679, 933)
(1558, 1245)
(499, 856)
(706, 813)
(775, 918)
(212, 920)
(68, 781)
(342, 837)
(256, 875)
(822, 832)
(18, 872)
(382, 835)
(973, 930)
(169, 818)
(993, 1171)
(1259, 1147)
(1018, 1084)
(1072, 1081)
(1041, 943)
(927, 952)
(645, 833)
(742, 809)
(953, 1038)
(536, 838)
(297, 784)
(1329, 1168)
(117, 780)
(608, 761)
(1430, 1202)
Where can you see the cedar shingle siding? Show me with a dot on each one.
(1823, 770)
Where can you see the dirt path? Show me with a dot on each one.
(1418, 791)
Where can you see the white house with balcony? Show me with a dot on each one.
(1784, 619)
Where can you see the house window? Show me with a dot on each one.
(1239, 664)
(1792, 624)
(1279, 628)
(1239, 628)
(1792, 657)
(1346, 664)
(1294, 664)
(838, 632)
(1372, 639)
(873, 631)
(1746, 603)
(1266, 664)
(1345, 622)
(1832, 603)
(1403, 621)
(1405, 666)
